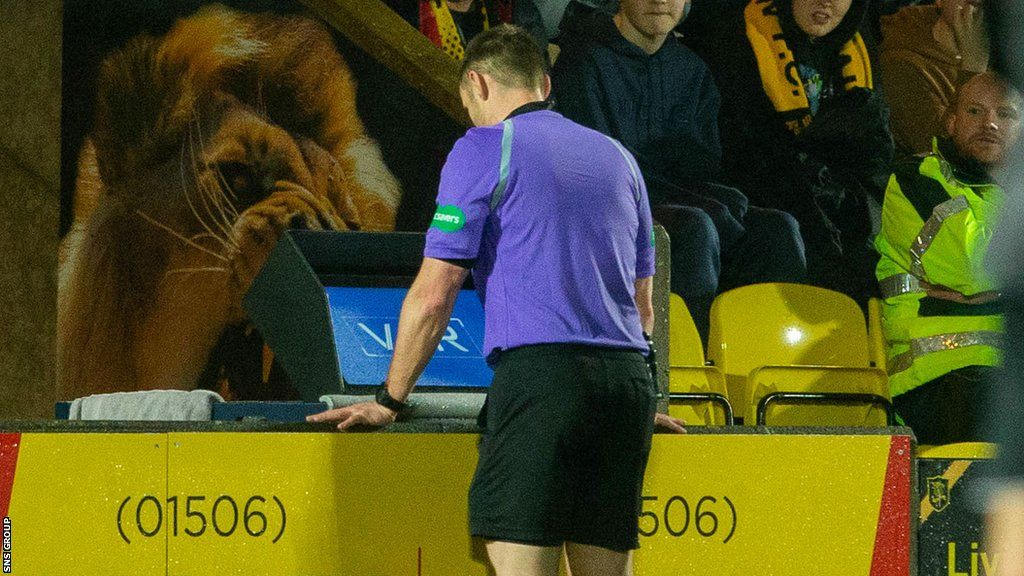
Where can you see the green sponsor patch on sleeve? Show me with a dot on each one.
(448, 218)
(652, 236)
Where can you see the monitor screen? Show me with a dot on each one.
(365, 323)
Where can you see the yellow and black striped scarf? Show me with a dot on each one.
(780, 75)
(437, 23)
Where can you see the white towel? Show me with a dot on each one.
(162, 405)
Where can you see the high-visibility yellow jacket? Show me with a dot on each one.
(937, 221)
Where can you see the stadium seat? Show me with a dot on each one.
(697, 392)
(799, 355)
(959, 451)
(876, 339)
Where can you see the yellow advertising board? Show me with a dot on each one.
(67, 507)
(201, 503)
(777, 505)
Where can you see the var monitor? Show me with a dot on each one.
(327, 304)
(365, 325)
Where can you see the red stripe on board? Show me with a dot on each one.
(892, 540)
(8, 462)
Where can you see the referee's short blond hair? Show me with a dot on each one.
(509, 54)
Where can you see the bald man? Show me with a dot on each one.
(942, 314)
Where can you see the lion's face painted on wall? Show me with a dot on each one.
(207, 144)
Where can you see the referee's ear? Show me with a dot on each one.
(547, 86)
(480, 84)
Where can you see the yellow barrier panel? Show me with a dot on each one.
(393, 504)
(360, 504)
(764, 505)
(68, 497)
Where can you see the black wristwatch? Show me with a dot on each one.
(652, 358)
(385, 400)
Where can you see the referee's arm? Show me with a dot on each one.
(644, 303)
(424, 320)
(426, 311)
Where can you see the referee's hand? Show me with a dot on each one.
(666, 423)
(361, 414)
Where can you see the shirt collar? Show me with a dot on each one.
(530, 107)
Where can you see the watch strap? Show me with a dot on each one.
(386, 400)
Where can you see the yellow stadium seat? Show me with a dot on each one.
(876, 340)
(697, 392)
(959, 451)
(785, 345)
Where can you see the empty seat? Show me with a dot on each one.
(697, 392)
(876, 339)
(959, 451)
(783, 346)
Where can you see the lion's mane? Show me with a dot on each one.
(206, 145)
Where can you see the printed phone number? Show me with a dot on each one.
(710, 518)
(198, 516)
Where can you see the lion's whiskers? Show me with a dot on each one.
(188, 197)
(178, 235)
(215, 192)
(185, 184)
(215, 269)
(204, 194)
(225, 190)
(222, 199)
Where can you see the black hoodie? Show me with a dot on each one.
(663, 107)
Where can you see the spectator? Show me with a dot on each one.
(451, 24)
(628, 77)
(942, 313)
(927, 53)
(803, 129)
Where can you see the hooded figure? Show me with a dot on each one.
(660, 101)
(803, 128)
(662, 106)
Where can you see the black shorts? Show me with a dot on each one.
(566, 434)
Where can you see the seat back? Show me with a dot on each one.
(959, 451)
(688, 374)
(685, 347)
(876, 338)
(824, 396)
(782, 324)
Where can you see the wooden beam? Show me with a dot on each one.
(385, 36)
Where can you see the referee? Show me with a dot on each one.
(553, 219)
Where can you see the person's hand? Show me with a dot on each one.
(364, 413)
(666, 423)
(971, 35)
(944, 293)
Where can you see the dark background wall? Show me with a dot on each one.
(30, 81)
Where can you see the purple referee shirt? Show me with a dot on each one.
(555, 218)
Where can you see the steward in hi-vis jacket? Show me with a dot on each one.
(942, 312)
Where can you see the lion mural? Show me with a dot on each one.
(207, 144)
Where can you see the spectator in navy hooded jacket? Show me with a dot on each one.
(628, 76)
